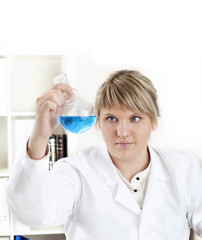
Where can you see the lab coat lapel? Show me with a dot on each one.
(119, 190)
(159, 176)
(124, 197)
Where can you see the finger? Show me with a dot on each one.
(60, 110)
(68, 90)
(58, 92)
(48, 106)
(54, 95)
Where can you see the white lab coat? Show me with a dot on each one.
(86, 194)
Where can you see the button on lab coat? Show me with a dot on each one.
(86, 194)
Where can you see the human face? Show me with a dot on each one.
(125, 133)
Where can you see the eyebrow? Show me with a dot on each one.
(131, 115)
(108, 113)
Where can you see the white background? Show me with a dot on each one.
(162, 39)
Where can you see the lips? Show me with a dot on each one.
(124, 144)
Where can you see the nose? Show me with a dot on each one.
(123, 129)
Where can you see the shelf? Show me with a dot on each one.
(23, 78)
(5, 234)
(18, 114)
(22, 114)
(36, 231)
(4, 172)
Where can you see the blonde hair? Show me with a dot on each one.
(128, 89)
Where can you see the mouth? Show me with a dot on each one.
(123, 144)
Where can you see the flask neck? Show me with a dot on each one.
(75, 106)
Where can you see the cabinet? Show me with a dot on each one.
(22, 80)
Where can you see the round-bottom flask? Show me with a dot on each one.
(78, 114)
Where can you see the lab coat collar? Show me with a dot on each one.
(109, 172)
(159, 169)
(158, 178)
(119, 190)
(106, 166)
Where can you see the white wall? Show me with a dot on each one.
(160, 38)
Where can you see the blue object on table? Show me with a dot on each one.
(20, 238)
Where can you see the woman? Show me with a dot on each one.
(123, 189)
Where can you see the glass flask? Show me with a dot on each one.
(78, 116)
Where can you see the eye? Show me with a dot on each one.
(135, 119)
(111, 119)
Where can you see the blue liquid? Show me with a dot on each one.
(77, 124)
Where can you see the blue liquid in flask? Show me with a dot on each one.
(77, 124)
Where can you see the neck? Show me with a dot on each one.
(131, 167)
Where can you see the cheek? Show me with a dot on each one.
(148, 133)
(144, 132)
(106, 130)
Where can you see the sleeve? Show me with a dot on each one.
(195, 213)
(41, 198)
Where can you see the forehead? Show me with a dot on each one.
(118, 111)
